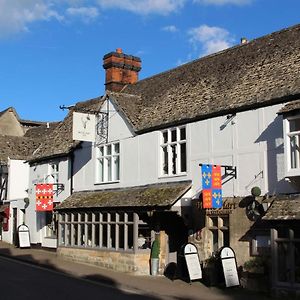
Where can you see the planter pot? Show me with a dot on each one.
(154, 266)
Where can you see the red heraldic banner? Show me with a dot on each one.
(44, 197)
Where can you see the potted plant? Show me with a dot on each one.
(155, 257)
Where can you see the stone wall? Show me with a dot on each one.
(137, 263)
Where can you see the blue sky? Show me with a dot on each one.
(51, 50)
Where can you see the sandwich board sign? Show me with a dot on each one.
(229, 266)
(192, 261)
(23, 234)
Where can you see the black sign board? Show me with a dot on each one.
(192, 261)
(229, 265)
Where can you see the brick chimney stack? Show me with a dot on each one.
(121, 69)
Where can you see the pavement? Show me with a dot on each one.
(159, 287)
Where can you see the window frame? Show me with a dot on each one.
(291, 171)
(80, 232)
(219, 229)
(175, 165)
(107, 170)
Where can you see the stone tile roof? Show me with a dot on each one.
(262, 72)
(59, 141)
(290, 107)
(16, 147)
(156, 195)
(284, 208)
(41, 131)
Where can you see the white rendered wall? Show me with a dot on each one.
(18, 174)
(38, 174)
(252, 141)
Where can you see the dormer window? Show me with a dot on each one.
(173, 151)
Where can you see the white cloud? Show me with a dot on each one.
(16, 15)
(224, 2)
(144, 7)
(170, 28)
(87, 14)
(210, 39)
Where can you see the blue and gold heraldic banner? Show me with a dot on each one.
(211, 186)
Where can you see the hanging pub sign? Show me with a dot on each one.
(229, 266)
(84, 127)
(44, 197)
(211, 186)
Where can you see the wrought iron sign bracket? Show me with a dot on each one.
(229, 170)
(59, 187)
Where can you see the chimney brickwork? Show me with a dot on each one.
(121, 69)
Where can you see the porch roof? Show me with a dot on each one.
(284, 208)
(155, 195)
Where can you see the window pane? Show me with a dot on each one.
(101, 151)
(182, 134)
(295, 125)
(108, 160)
(165, 137)
(62, 234)
(130, 217)
(215, 245)
(75, 234)
(283, 232)
(101, 169)
(121, 236)
(108, 150)
(89, 217)
(130, 236)
(116, 148)
(104, 235)
(225, 238)
(113, 217)
(116, 168)
(174, 135)
(75, 217)
(165, 160)
(297, 262)
(121, 217)
(144, 236)
(224, 222)
(82, 235)
(113, 236)
(97, 235)
(183, 157)
(104, 216)
(97, 217)
(174, 158)
(89, 235)
(283, 262)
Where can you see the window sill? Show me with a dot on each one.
(107, 182)
(173, 175)
(293, 172)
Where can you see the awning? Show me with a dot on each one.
(156, 195)
(284, 208)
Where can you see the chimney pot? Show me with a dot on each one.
(119, 50)
(244, 40)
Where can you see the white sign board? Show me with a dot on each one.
(192, 261)
(84, 127)
(229, 267)
(23, 232)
